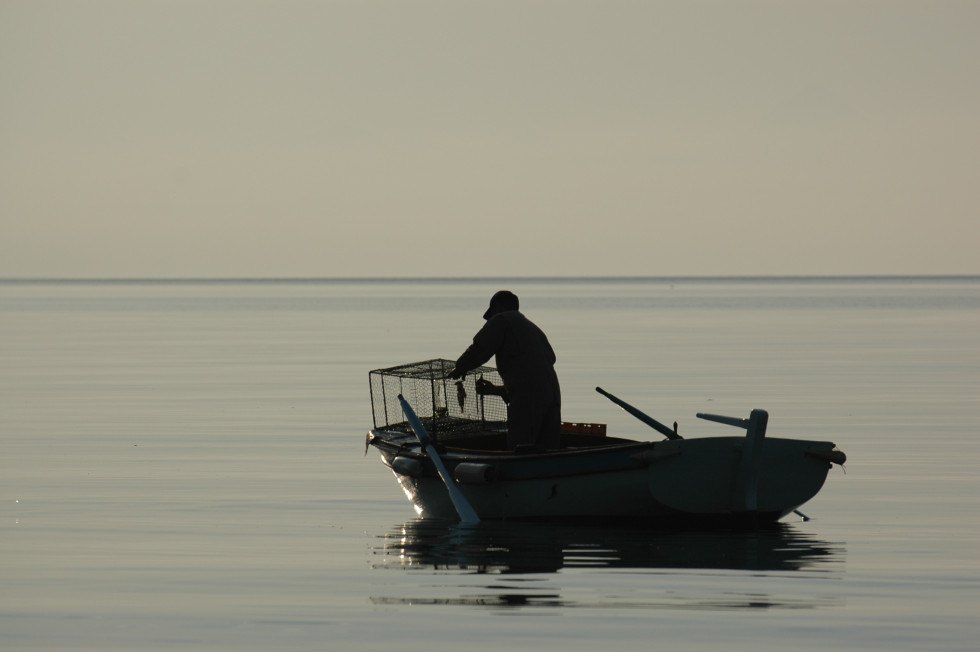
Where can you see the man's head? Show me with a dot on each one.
(501, 302)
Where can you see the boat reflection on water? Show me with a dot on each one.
(689, 569)
(519, 547)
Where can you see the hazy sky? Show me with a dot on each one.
(428, 138)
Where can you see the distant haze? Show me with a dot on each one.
(213, 138)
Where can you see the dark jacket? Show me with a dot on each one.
(526, 363)
(524, 355)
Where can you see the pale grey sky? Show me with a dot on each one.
(427, 138)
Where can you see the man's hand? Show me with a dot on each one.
(486, 388)
(456, 374)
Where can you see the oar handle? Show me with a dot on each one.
(728, 421)
(645, 418)
(423, 435)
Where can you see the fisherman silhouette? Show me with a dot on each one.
(526, 363)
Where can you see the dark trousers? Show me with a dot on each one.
(534, 423)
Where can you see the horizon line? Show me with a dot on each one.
(470, 279)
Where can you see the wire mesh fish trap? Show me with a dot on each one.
(445, 406)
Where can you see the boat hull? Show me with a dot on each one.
(685, 479)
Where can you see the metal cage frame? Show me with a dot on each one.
(445, 406)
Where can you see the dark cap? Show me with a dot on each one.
(501, 301)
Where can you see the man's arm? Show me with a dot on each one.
(484, 346)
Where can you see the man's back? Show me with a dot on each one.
(523, 354)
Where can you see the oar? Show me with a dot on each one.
(466, 512)
(645, 418)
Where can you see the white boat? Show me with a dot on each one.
(751, 478)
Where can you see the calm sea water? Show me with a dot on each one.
(182, 467)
